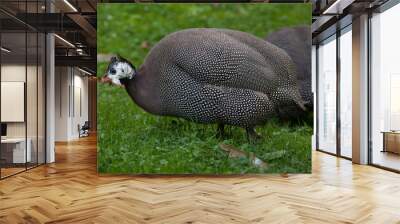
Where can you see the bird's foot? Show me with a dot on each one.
(220, 131)
(252, 135)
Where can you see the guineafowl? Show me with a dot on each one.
(296, 41)
(212, 76)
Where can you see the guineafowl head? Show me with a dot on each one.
(120, 69)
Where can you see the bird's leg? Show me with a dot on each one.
(220, 132)
(252, 134)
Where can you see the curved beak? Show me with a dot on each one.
(302, 106)
(105, 79)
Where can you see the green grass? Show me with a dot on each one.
(133, 141)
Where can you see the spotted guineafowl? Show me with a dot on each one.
(296, 42)
(212, 76)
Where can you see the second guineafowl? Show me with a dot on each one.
(212, 76)
(296, 42)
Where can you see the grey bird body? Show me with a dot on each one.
(216, 76)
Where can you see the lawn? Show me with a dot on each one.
(131, 140)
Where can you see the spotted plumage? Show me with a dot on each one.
(214, 76)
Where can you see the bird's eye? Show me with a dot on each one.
(112, 71)
(122, 70)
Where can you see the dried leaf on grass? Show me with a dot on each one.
(237, 153)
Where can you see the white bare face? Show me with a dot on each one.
(120, 70)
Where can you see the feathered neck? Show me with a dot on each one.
(141, 89)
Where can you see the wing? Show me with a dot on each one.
(184, 96)
(226, 58)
